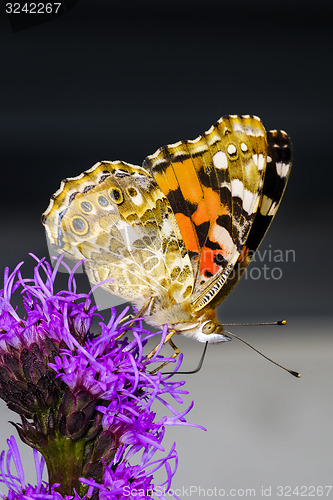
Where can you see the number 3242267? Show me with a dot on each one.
(303, 491)
(32, 8)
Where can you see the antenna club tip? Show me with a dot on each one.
(282, 322)
(296, 374)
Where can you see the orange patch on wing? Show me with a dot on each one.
(188, 180)
(187, 232)
(207, 261)
(209, 208)
(167, 181)
(213, 203)
(201, 214)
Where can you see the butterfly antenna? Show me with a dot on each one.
(281, 322)
(197, 369)
(292, 372)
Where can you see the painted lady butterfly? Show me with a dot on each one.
(182, 228)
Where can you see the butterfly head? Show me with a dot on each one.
(205, 328)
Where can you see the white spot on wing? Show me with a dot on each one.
(282, 169)
(248, 199)
(261, 161)
(249, 130)
(238, 127)
(222, 236)
(255, 159)
(243, 147)
(231, 149)
(220, 160)
(137, 199)
(237, 188)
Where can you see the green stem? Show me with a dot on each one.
(64, 458)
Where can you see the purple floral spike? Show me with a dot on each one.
(85, 400)
(15, 481)
(122, 480)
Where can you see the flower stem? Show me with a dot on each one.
(64, 458)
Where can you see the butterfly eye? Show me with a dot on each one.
(116, 196)
(79, 225)
(208, 327)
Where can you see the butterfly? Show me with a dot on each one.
(178, 232)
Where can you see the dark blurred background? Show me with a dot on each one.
(115, 81)
(106, 81)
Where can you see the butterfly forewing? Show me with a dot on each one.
(214, 184)
(279, 161)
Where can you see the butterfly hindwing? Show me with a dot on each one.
(116, 218)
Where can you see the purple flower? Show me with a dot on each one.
(116, 371)
(15, 482)
(120, 479)
(85, 400)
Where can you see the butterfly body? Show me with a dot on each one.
(178, 228)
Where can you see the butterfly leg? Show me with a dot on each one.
(171, 343)
(127, 318)
(175, 354)
(146, 308)
(167, 338)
